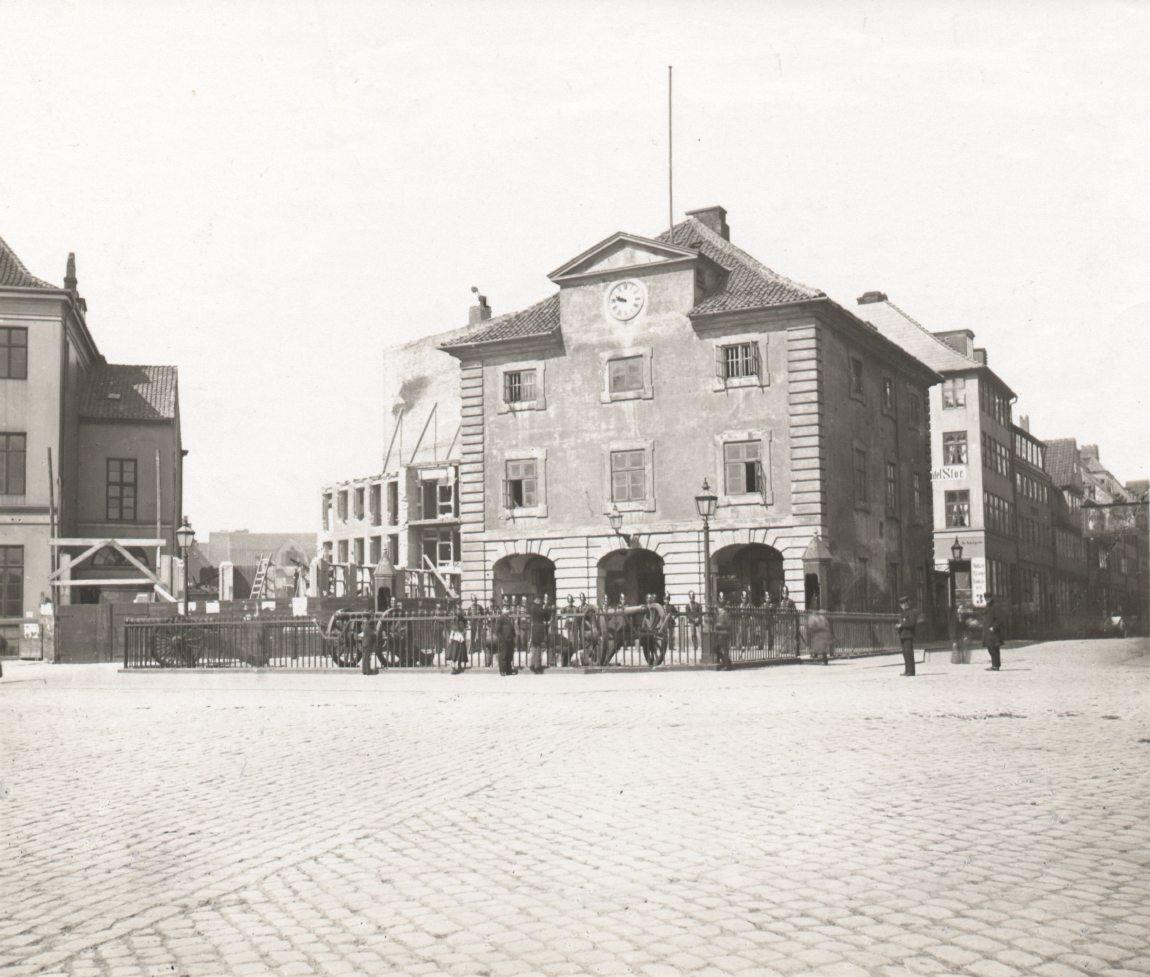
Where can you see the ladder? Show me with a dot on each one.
(261, 577)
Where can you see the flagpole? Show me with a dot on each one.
(670, 171)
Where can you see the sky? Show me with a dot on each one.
(268, 194)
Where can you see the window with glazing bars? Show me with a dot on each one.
(625, 374)
(891, 487)
(121, 490)
(520, 487)
(954, 448)
(957, 508)
(13, 463)
(518, 386)
(13, 353)
(628, 476)
(742, 466)
(11, 581)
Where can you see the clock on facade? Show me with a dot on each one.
(625, 299)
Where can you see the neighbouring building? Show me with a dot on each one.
(973, 448)
(409, 512)
(89, 451)
(663, 362)
(244, 552)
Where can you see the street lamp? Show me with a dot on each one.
(184, 537)
(615, 518)
(705, 503)
(956, 550)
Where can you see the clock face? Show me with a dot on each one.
(625, 300)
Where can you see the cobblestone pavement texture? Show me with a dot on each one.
(836, 821)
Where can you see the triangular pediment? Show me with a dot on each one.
(619, 252)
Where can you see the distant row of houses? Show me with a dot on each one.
(855, 454)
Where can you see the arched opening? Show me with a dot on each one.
(630, 575)
(523, 575)
(382, 598)
(752, 567)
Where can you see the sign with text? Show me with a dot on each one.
(948, 473)
(978, 580)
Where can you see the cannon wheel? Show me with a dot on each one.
(341, 629)
(179, 647)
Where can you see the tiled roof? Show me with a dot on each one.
(750, 284)
(119, 392)
(1061, 459)
(540, 319)
(912, 336)
(13, 274)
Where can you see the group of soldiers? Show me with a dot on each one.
(582, 633)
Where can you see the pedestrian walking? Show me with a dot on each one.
(457, 641)
(908, 618)
(539, 615)
(820, 636)
(993, 632)
(721, 636)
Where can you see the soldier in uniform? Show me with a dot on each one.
(505, 639)
(908, 619)
(721, 636)
(694, 615)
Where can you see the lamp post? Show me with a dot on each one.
(184, 537)
(705, 503)
(615, 518)
(957, 650)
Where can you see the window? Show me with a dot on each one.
(625, 374)
(914, 408)
(359, 495)
(957, 508)
(120, 504)
(13, 353)
(916, 492)
(857, 379)
(393, 550)
(954, 393)
(743, 467)
(628, 476)
(341, 549)
(891, 487)
(954, 448)
(392, 503)
(13, 457)
(887, 395)
(341, 507)
(11, 581)
(376, 550)
(358, 550)
(521, 488)
(376, 506)
(325, 508)
(518, 386)
(739, 361)
(860, 475)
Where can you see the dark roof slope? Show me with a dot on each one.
(1061, 462)
(540, 319)
(750, 284)
(119, 392)
(13, 274)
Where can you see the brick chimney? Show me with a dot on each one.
(1090, 451)
(480, 312)
(715, 219)
(869, 298)
(70, 272)
(1024, 422)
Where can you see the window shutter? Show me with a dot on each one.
(720, 363)
(756, 361)
(529, 492)
(506, 494)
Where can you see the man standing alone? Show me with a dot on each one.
(908, 619)
(992, 633)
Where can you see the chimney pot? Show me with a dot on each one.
(1090, 451)
(961, 340)
(480, 312)
(70, 272)
(980, 355)
(714, 219)
(868, 298)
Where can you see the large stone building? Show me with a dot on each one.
(661, 363)
(111, 434)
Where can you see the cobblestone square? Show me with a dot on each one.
(839, 821)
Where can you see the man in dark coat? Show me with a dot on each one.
(908, 619)
(992, 633)
(694, 614)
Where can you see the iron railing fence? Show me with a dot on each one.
(638, 638)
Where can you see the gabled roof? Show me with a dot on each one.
(119, 392)
(750, 284)
(13, 274)
(540, 319)
(1062, 462)
(914, 337)
(655, 251)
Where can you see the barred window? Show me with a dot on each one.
(628, 476)
(521, 486)
(13, 353)
(518, 386)
(743, 467)
(625, 374)
(13, 463)
(121, 490)
(740, 360)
